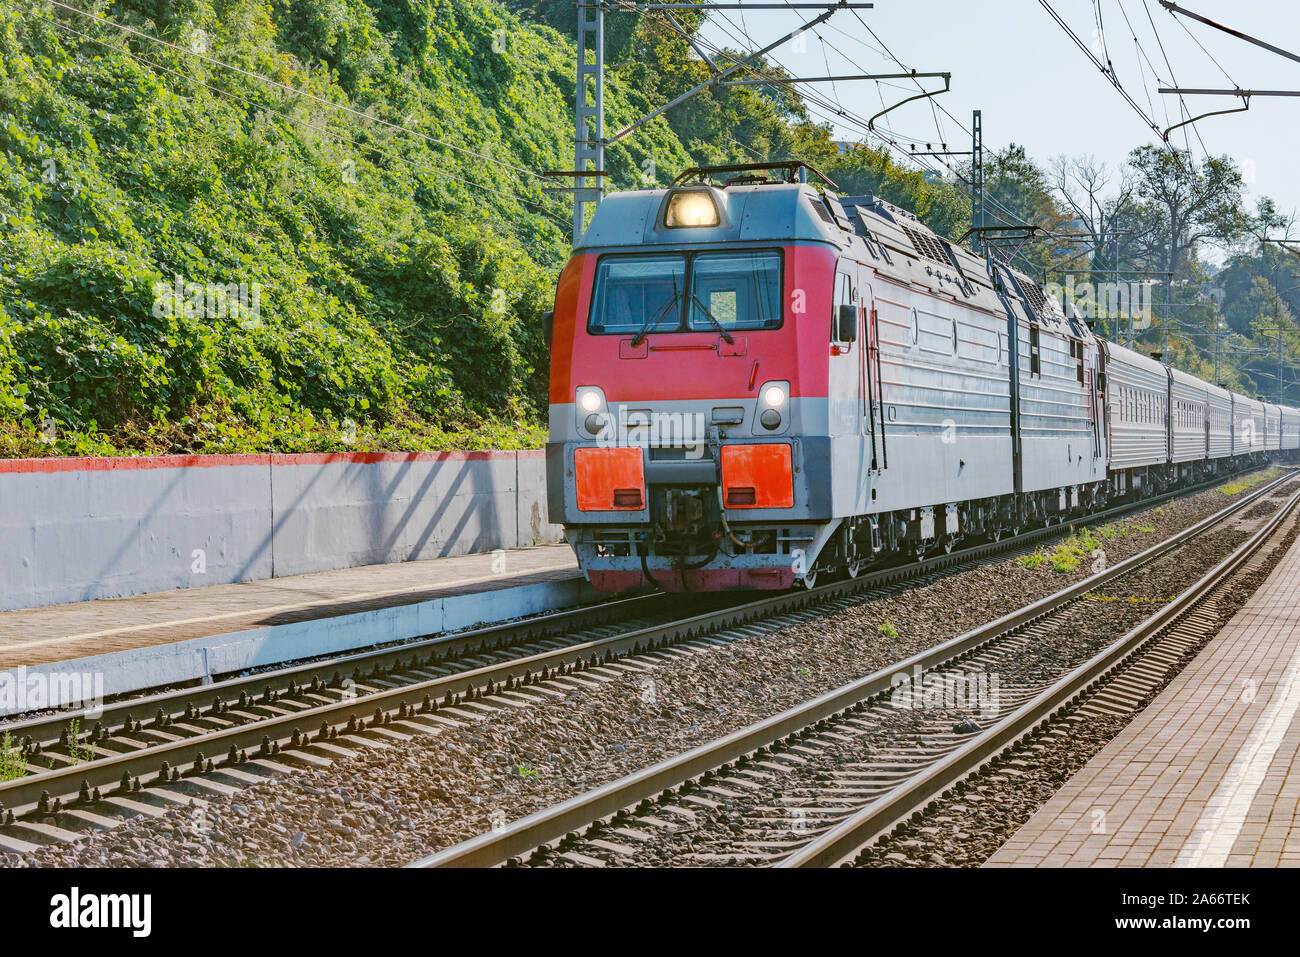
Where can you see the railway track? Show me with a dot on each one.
(803, 804)
(189, 743)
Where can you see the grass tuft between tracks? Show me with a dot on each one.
(1240, 485)
(1085, 543)
(12, 763)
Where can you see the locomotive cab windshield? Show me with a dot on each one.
(716, 291)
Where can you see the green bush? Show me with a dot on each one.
(399, 282)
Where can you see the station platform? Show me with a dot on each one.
(1209, 774)
(197, 632)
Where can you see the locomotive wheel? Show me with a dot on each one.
(809, 580)
(855, 568)
(948, 545)
(995, 533)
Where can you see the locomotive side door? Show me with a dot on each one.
(844, 396)
(872, 391)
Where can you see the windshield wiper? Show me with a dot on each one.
(714, 319)
(654, 320)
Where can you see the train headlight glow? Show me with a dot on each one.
(591, 409)
(773, 400)
(691, 208)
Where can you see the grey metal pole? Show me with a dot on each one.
(1279, 360)
(1131, 338)
(589, 112)
(1218, 337)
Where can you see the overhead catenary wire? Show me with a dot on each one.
(1182, 101)
(1110, 76)
(831, 111)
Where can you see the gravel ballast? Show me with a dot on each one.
(391, 805)
(967, 828)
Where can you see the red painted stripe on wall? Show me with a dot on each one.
(128, 463)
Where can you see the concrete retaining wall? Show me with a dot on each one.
(78, 529)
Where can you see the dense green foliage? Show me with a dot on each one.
(376, 211)
(399, 282)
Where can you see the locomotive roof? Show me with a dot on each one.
(893, 241)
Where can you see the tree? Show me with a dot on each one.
(1183, 205)
(869, 169)
(1100, 211)
(1017, 192)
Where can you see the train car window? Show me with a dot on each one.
(1035, 355)
(737, 290)
(843, 297)
(635, 293)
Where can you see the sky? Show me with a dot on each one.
(1011, 60)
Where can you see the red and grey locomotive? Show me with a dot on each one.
(755, 382)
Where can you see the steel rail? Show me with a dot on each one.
(20, 794)
(582, 810)
(521, 631)
(849, 836)
(46, 729)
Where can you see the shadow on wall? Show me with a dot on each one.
(80, 529)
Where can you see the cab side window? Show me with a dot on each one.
(843, 297)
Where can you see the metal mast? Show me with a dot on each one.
(977, 179)
(589, 113)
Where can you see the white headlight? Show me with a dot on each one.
(589, 400)
(691, 208)
(774, 396)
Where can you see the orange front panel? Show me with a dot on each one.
(757, 476)
(610, 480)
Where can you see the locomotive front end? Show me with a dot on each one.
(685, 426)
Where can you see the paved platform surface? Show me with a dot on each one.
(63, 632)
(1209, 774)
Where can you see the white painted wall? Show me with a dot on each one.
(79, 529)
